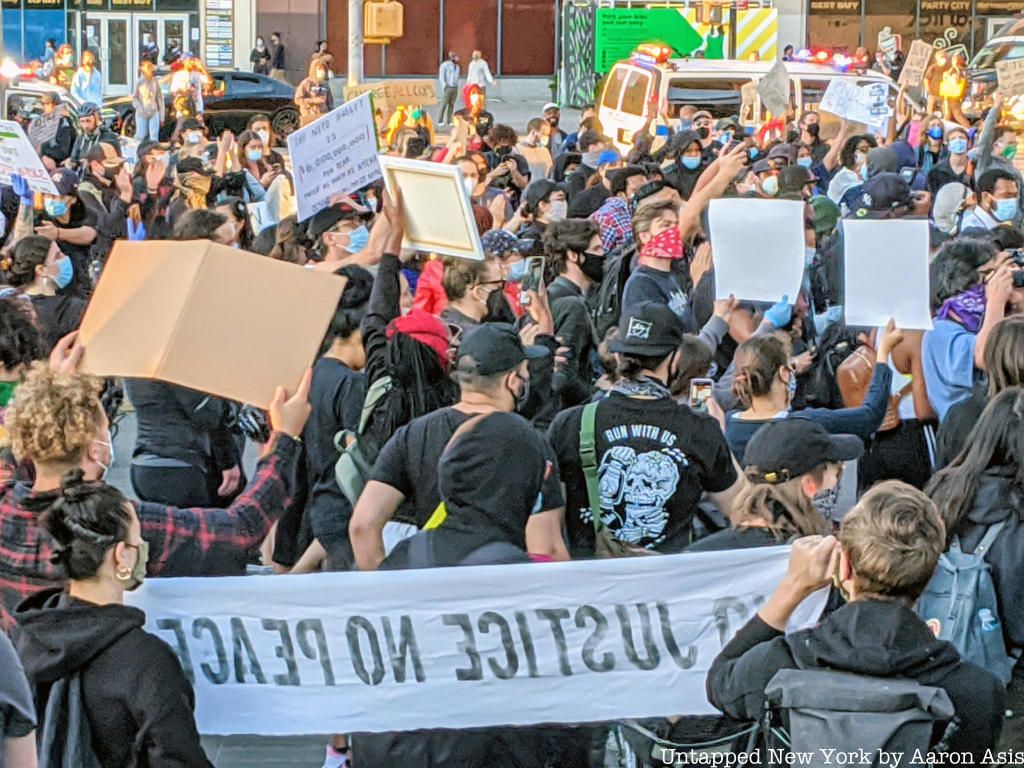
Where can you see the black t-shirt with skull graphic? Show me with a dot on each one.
(655, 459)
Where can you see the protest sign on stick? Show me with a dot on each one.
(1010, 75)
(335, 155)
(918, 58)
(207, 317)
(18, 158)
(774, 89)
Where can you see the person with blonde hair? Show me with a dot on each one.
(883, 560)
(479, 73)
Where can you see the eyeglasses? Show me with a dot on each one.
(500, 283)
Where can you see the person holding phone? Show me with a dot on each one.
(253, 160)
(576, 256)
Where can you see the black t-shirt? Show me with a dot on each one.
(81, 216)
(408, 463)
(749, 537)
(336, 396)
(655, 459)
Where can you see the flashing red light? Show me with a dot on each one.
(821, 56)
(652, 53)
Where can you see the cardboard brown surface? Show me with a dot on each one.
(208, 317)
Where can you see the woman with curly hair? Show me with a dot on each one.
(107, 691)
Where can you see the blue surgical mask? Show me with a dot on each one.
(254, 155)
(770, 186)
(809, 254)
(725, 138)
(958, 146)
(194, 137)
(358, 239)
(864, 172)
(1006, 210)
(516, 271)
(691, 163)
(805, 162)
(55, 208)
(65, 273)
(753, 153)
(935, 132)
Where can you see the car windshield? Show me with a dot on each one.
(718, 92)
(994, 52)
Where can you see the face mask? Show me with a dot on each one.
(1006, 210)
(469, 185)
(55, 208)
(357, 239)
(958, 146)
(725, 138)
(109, 443)
(864, 172)
(139, 569)
(667, 245)
(791, 387)
(559, 210)
(1009, 152)
(859, 159)
(524, 393)
(770, 186)
(111, 173)
(804, 162)
(593, 266)
(65, 273)
(935, 132)
(194, 138)
(753, 153)
(703, 132)
(591, 159)
(691, 163)
(809, 254)
(825, 502)
(7, 392)
(254, 155)
(813, 130)
(516, 271)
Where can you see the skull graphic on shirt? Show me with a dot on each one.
(635, 489)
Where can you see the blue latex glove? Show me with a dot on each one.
(21, 188)
(780, 314)
(136, 232)
(830, 316)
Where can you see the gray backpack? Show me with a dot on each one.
(960, 606)
(833, 712)
(352, 469)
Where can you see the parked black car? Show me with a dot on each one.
(236, 97)
(1007, 45)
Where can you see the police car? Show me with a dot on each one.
(651, 84)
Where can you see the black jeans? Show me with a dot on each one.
(174, 486)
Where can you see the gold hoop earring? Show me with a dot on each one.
(123, 573)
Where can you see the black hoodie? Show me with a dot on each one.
(880, 639)
(680, 177)
(139, 704)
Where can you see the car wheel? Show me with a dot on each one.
(285, 122)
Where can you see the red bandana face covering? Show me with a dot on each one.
(667, 245)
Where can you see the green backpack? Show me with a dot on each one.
(352, 469)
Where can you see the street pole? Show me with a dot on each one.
(355, 42)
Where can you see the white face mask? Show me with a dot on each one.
(109, 443)
(469, 185)
(559, 210)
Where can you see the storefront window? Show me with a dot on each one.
(834, 23)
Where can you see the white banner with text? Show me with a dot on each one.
(580, 641)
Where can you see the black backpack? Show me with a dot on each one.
(605, 303)
(834, 346)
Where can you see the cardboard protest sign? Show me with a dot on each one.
(874, 248)
(920, 55)
(208, 317)
(438, 211)
(1010, 75)
(868, 104)
(43, 128)
(774, 89)
(539, 160)
(259, 216)
(391, 93)
(772, 268)
(335, 155)
(18, 157)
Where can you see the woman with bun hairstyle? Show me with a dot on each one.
(37, 268)
(107, 686)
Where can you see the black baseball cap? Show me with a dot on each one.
(793, 179)
(193, 165)
(66, 181)
(326, 218)
(879, 197)
(651, 329)
(790, 447)
(495, 348)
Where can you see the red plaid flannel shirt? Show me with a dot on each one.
(182, 542)
(615, 223)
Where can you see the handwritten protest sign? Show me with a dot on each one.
(917, 62)
(43, 128)
(868, 104)
(496, 644)
(18, 157)
(1010, 75)
(335, 155)
(774, 89)
(390, 93)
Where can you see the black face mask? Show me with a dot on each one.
(553, 121)
(111, 173)
(592, 265)
(703, 132)
(503, 151)
(813, 130)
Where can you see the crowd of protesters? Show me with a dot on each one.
(434, 370)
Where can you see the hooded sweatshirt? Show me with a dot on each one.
(680, 177)
(139, 704)
(867, 637)
(486, 501)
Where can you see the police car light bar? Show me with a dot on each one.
(652, 53)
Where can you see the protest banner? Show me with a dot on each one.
(920, 55)
(195, 313)
(774, 89)
(874, 248)
(1010, 74)
(18, 157)
(43, 128)
(391, 93)
(775, 267)
(438, 212)
(504, 644)
(335, 155)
